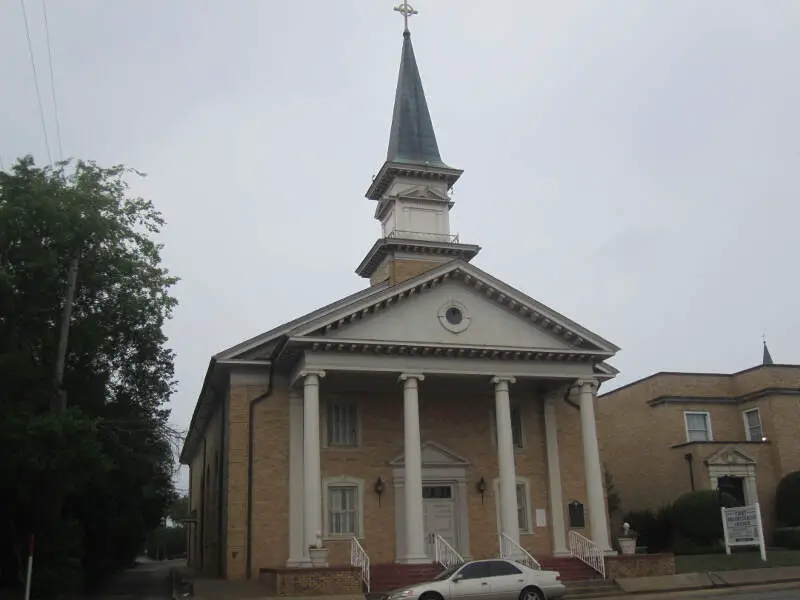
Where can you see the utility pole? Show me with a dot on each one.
(59, 393)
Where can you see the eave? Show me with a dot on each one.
(386, 246)
(390, 170)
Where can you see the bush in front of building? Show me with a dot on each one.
(787, 537)
(653, 528)
(787, 500)
(697, 520)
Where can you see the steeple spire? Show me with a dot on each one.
(767, 358)
(412, 139)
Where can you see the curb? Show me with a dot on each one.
(715, 583)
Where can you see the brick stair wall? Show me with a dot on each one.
(392, 576)
(571, 569)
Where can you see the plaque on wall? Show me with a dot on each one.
(577, 517)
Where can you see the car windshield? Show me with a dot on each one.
(446, 573)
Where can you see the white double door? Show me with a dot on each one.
(439, 515)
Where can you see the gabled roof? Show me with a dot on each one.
(383, 296)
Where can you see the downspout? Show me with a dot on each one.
(689, 459)
(251, 432)
(203, 508)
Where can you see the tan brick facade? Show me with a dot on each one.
(399, 270)
(460, 422)
(643, 436)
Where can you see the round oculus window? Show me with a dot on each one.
(454, 315)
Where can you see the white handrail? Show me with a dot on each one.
(360, 559)
(586, 551)
(511, 550)
(445, 554)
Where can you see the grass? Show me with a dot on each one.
(700, 563)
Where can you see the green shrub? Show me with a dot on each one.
(787, 500)
(696, 516)
(654, 528)
(787, 537)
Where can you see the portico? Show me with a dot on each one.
(429, 481)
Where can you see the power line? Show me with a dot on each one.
(52, 80)
(36, 81)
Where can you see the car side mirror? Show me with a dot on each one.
(457, 578)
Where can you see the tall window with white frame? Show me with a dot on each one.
(517, 434)
(342, 417)
(522, 508)
(698, 426)
(752, 424)
(342, 510)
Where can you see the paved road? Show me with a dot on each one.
(147, 581)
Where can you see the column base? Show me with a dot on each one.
(298, 563)
(610, 552)
(420, 559)
(562, 554)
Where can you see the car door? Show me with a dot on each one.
(506, 580)
(472, 582)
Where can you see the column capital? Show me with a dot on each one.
(404, 377)
(589, 382)
(306, 374)
(499, 380)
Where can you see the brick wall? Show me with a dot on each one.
(334, 581)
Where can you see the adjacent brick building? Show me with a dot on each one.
(439, 403)
(670, 433)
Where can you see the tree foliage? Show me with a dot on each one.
(787, 500)
(91, 481)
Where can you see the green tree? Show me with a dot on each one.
(92, 481)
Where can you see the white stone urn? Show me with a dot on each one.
(627, 541)
(318, 553)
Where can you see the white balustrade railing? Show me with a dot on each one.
(586, 551)
(511, 550)
(360, 560)
(445, 554)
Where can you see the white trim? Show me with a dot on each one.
(747, 425)
(515, 406)
(707, 415)
(526, 483)
(326, 403)
(343, 481)
(466, 319)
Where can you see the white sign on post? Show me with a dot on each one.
(742, 527)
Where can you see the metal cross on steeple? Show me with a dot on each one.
(406, 10)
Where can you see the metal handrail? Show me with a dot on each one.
(445, 554)
(360, 559)
(586, 551)
(511, 550)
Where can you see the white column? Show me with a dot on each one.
(312, 482)
(298, 549)
(414, 524)
(554, 479)
(509, 521)
(591, 464)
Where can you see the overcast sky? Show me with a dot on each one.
(633, 164)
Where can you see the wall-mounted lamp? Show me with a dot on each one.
(481, 487)
(379, 488)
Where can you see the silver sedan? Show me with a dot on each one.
(494, 579)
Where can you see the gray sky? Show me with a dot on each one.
(632, 164)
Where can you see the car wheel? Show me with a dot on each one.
(431, 596)
(531, 593)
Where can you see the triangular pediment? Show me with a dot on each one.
(423, 192)
(729, 456)
(434, 455)
(488, 314)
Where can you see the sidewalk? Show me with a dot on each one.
(664, 587)
(711, 580)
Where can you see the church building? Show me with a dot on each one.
(437, 415)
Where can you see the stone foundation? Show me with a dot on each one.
(640, 565)
(329, 581)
